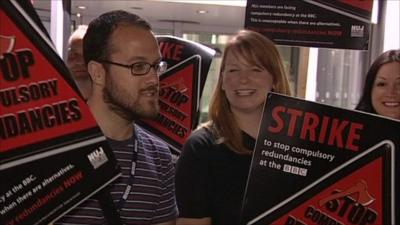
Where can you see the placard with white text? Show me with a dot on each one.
(181, 87)
(343, 24)
(52, 153)
(319, 164)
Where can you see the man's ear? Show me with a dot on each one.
(97, 72)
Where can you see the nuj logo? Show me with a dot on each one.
(357, 31)
(97, 157)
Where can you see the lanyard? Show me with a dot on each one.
(108, 207)
(129, 185)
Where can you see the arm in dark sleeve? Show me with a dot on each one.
(192, 173)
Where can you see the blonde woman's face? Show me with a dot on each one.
(385, 93)
(245, 85)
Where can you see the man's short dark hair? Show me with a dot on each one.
(96, 43)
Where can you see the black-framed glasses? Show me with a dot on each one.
(141, 68)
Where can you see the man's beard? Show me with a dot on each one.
(118, 101)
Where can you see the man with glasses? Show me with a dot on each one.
(124, 62)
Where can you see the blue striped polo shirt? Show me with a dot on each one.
(152, 197)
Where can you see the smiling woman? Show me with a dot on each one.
(381, 94)
(213, 167)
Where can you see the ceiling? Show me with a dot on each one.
(220, 14)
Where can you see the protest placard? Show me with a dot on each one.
(319, 164)
(52, 153)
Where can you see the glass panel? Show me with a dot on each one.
(163, 31)
(290, 58)
(340, 77)
(209, 87)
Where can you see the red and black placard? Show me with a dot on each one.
(318, 164)
(343, 24)
(181, 87)
(52, 153)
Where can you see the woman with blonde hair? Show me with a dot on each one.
(213, 168)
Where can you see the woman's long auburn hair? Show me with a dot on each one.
(257, 50)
